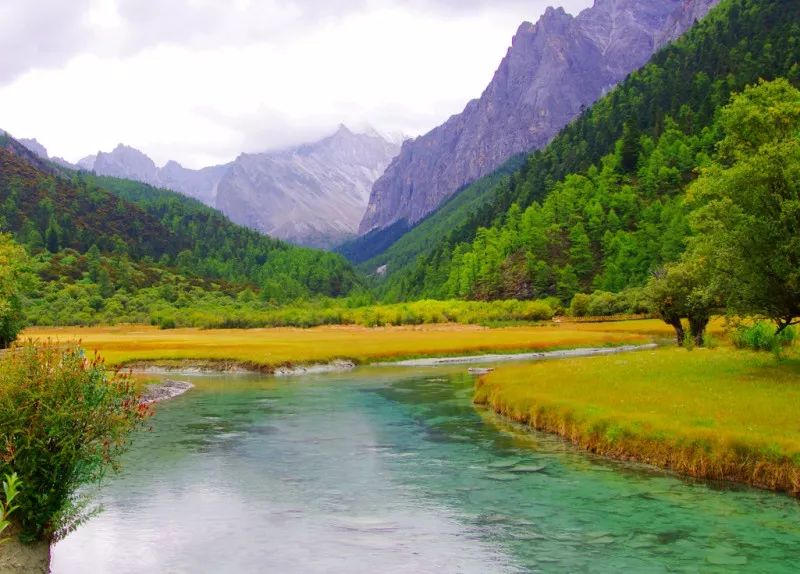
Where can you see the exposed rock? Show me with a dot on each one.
(35, 147)
(165, 390)
(313, 194)
(200, 184)
(130, 163)
(337, 366)
(479, 371)
(552, 70)
(87, 163)
(41, 152)
(127, 163)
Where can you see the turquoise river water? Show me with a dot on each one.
(394, 471)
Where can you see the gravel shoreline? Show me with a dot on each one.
(164, 390)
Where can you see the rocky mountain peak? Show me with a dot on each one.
(127, 162)
(552, 70)
(34, 146)
(313, 194)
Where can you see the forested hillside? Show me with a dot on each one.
(122, 250)
(602, 206)
(213, 246)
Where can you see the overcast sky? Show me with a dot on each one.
(200, 81)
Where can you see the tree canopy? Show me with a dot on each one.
(14, 280)
(747, 222)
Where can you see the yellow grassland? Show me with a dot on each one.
(718, 414)
(273, 347)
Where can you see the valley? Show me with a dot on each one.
(557, 331)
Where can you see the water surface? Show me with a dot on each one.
(391, 470)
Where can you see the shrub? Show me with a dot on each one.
(761, 336)
(605, 304)
(579, 307)
(64, 420)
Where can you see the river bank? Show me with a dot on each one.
(18, 558)
(715, 414)
(290, 350)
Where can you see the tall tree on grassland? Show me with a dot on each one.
(747, 221)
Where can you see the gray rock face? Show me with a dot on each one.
(41, 152)
(551, 71)
(312, 194)
(35, 147)
(127, 163)
(198, 183)
(87, 163)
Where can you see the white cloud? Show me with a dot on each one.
(199, 81)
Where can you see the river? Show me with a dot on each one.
(393, 470)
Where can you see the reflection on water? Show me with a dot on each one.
(395, 471)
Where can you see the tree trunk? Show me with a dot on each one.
(697, 328)
(680, 334)
(783, 325)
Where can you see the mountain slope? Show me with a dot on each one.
(43, 209)
(41, 151)
(552, 70)
(738, 43)
(49, 211)
(397, 246)
(313, 194)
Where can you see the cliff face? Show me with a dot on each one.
(313, 194)
(552, 70)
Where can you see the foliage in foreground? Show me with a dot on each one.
(747, 221)
(10, 492)
(64, 420)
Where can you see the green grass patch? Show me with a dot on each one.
(722, 414)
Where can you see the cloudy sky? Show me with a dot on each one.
(201, 80)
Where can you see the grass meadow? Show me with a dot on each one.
(718, 413)
(711, 413)
(273, 347)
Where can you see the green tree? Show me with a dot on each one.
(682, 290)
(580, 252)
(747, 224)
(630, 147)
(14, 280)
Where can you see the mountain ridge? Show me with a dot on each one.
(317, 192)
(311, 194)
(552, 70)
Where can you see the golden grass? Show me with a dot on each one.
(650, 327)
(719, 414)
(268, 348)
